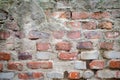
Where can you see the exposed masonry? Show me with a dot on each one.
(60, 40)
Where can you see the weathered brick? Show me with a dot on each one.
(94, 79)
(4, 35)
(80, 15)
(93, 34)
(114, 64)
(112, 54)
(61, 14)
(115, 13)
(117, 74)
(85, 45)
(35, 34)
(12, 25)
(44, 55)
(5, 56)
(30, 75)
(89, 25)
(55, 74)
(105, 74)
(89, 55)
(1, 66)
(3, 15)
(15, 66)
(24, 56)
(6, 75)
(67, 55)
(97, 64)
(74, 24)
(40, 64)
(42, 46)
(62, 4)
(74, 34)
(58, 34)
(105, 25)
(112, 34)
(63, 46)
(99, 15)
(88, 74)
(74, 75)
(106, 45)
(20, 34)
(80, 65)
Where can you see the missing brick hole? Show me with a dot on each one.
(66, 74)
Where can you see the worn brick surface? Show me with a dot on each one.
(15, 66)
(40, 64)
(63, 46)
(67, 55)
(5, 56)
(30, 75)
(85, 45)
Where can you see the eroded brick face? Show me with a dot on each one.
(63, 46)
(85, 45)
(30, 75)
(5, 56)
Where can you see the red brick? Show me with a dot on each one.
(61, 14)
(24, 56)
(67, 55)
(58, 34)
(115, 64)
(1, 66)
(89, 25)
(42, 46)
(5, 56)
(4, 34)
(74, 34)
(74, 24)
(40, 64)
(85, 45)
(15, 66)
(12, 25)
(99, 15)
(97, 64)
(92, 34)
(106, 45)
(105, 25)
(74, 75)
(30, 75)
(112, 34)
(63, 46)
(80, 15)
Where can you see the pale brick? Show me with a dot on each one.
(80, 65)
(89, 55)
(43, 55)
(106, 74)
(55, 75)
(94, 79)
(112, 54)
(6, 75)
(88, 74)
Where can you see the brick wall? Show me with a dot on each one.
(60, 40)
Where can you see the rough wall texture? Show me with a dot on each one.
(60, 40)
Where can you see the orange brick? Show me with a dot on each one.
(74, 75)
